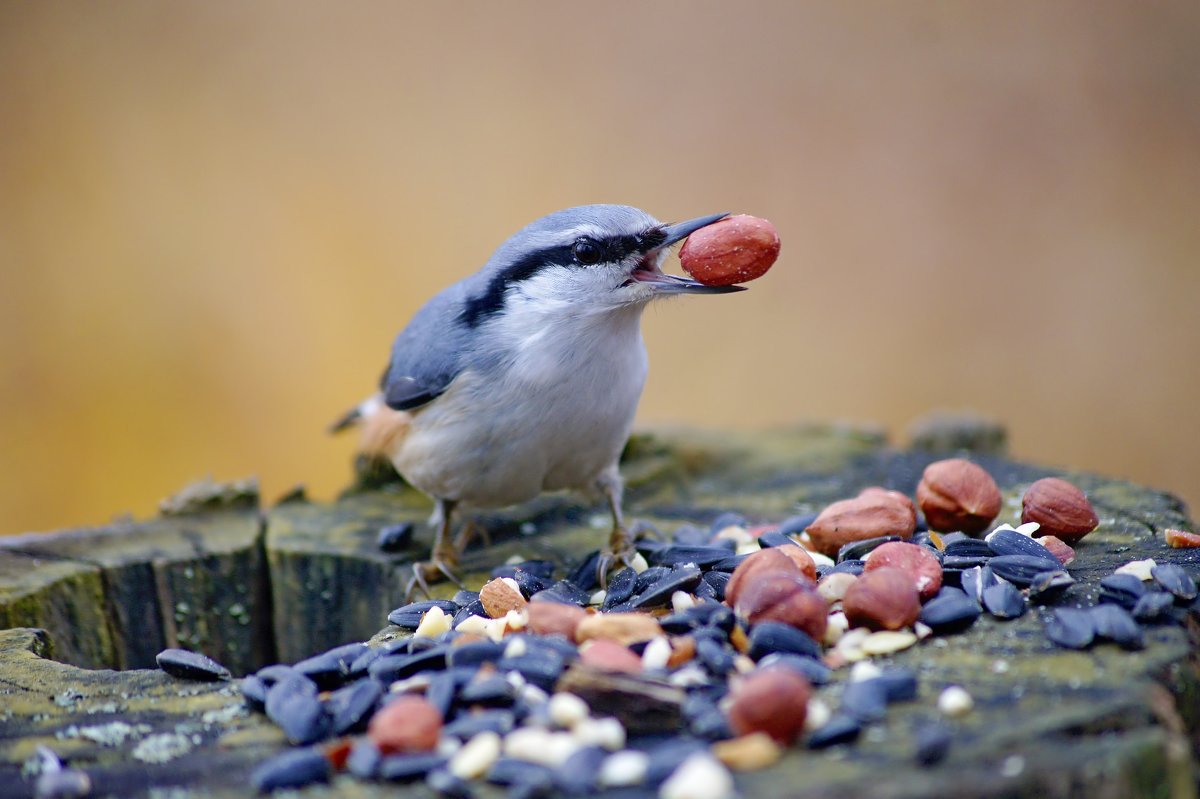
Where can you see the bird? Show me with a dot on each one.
(525, 376)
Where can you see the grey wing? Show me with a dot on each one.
(427, 354)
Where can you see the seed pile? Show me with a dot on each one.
(701, 657)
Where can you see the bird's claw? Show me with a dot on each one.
(622, 547)
(431, 571)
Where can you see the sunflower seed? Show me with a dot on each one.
(353, 705)
(620, 588)
(1021, 569)
(933, 743)
(858, 550)
(292, 769)
(976, 580)
(1153, 606)
(1071, 628)
(950, 611)
(408, 768)
(840, 729)
(1173, 578)
(1004, 601)
(1048, 586)
(395, 537)
(409, 616)
(1121, 589)
(190, 666)
(772, 636)
(1114, 623)
(968, 548)
(1010, 542)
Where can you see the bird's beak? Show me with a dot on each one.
(663, 283)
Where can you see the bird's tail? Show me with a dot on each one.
(381, 428)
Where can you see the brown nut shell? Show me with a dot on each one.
(955, 494)
(875, 512)
(883, 599)
(771, 700)
(790, 599)
(734, 250)
(1060, 508)
(764, 562)
(914, 560)
(407, 724)
(554, 618)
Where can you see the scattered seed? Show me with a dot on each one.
(841, 729)
(1021, 569)
(1122, 588)
(698, 777)
(950, 611)
(409, 616)
(1071, 628)
(476, 756)
(623, 769)
(932, 743)
(1153, 606)
(395, 537)
(955, 701)
(1141, 569)
(1010, 542)
(292, 769)
(190, 666)
(1004, 601)
(1175, 579)
(1114, 623)
(886, 642)
(409, 767)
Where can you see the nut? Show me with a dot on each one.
(921, 565)
(882, 599)
(407, 724)
(875, 512)
(1062, 550)
(501, 595)
(1176, 539)
(734, 250)
(833, 586)
(748, 752)
(624, 628)
(554, 618)
(764, 562)
(790, 599)
(1060, 508)
(770, 700)
(956, 494)
(608, 655)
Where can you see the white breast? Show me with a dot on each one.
(548, 405)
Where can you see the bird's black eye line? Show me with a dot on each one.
(587, 252)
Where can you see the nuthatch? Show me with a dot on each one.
(525, 376)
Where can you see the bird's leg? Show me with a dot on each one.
(620, 547)
(443, 558)
(471, 530)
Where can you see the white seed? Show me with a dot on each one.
(736, 533)
(819, 559)
(537, 745)
(849, 646)
(511, 583)
(922, 630)
(638, 563)
(567, 710)
(474, 625)
(433, 623)
(689, 676)
(748, 548)
(681, 601)
(476, 756)
(834, 586)
(818, 714)
(885, 642)
(606, 732)
(657, 653)
(1028, 528)
(622, 769)
(835, 627)
(534, 695)
(516, 619)
(1012, 766)
(864, 670)
(1139, 569)
(698, 777)
(954, 701)
(515, 648)
(597, 599)
(516, 679)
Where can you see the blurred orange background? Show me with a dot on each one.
(215, 216)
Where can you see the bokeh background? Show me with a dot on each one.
(215, 216)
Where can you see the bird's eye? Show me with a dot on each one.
(587, 252)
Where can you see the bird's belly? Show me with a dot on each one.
(494, 443)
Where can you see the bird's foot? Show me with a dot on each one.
(622, 547)
(470, 531)
(425, 572)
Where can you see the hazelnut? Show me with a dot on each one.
(1176, 539)
(770, 700)
(1062, 550)
(790, 599)
(921, 565)
(882, 599)
(734, 250)
(1060, 508)
(501, 595)
(875, 512)
(762, 563)
(608, 655)
(956, 494)
(408, 724)
(554, 618)
(624, 628)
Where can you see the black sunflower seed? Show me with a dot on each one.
(390, 668)
(254, 690)
(666, 756)
(364, 758)
(769, 637)
(1114, 623)
(691, 535)
(1071, 628)
(852, 566)
(1153, 606)
(493, 691)
(968, 548)
(409, 615)
(541, 668)
(774, 538)
(899, 684)
(543, 569)
(814, 670)
(1049, 586)
(577, 774)
(976, 580)
(565, 593)
(1176, 580)
(681, 578)
(1121, 589)
(330, 669)
(190, 666)
(950, 611)
(726, 519)
(293, 705)
(1010, 542)
(442, 782)
(274, 673)
(840, 729)
(395, 537)
(1004, 601)
(865, 700)
(442, 689)
(408, 768)
(475, 653)
(620, 588)
(795, 525)
(468, 725)
(717, 659)
(857, 550)
(353, 705)
(702, 556)
(529, 583)
(964, 562)
(933, 743)
(1020, 569)
(585, 574)
(292, 769)
(727, 564)
(511, 772)
(463, 597)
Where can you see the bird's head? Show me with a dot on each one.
(592, 258)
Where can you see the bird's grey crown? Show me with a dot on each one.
(427, 355)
